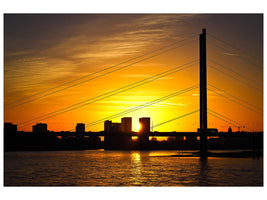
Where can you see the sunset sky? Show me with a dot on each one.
(42, 52)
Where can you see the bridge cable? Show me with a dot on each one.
(97, 72)
(236, 97)
(175, 118)
(143, 105)
(235, 78)
(227, 68)
(227, 119)
(224, 119)
(128, 87)
(233, 47)
(236, 102)
(237, 56)
(160, 75)
(162, 52)
(147, 104)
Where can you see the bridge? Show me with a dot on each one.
(133, 134)
(203, 109)
(154, 134)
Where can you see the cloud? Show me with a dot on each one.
(133, 104)
(136, 75)
(173, 104)
(64, 46)
(230, 54)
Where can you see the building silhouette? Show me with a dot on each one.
(145, 124)
(10, 133)
(116, 127)
(80, 128)
(107, 126)
(144, 130)
(126, 124)
(112, 127)
(39, 128)
(115, 137)
(10, 128)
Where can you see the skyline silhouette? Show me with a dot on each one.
(119, 136)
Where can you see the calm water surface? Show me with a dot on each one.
(127, 168)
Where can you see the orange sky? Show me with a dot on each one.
(45, 51)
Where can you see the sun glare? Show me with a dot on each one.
(138, 126)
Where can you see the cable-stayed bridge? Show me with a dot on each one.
(204, 86)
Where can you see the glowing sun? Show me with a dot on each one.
(138, 126)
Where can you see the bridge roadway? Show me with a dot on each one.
(155, 134)
(101, 133)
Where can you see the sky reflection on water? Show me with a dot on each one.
(127, 168)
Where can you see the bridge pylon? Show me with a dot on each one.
(203, 94)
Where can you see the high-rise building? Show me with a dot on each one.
(10, 139)
(112, 127)
(39, 128)
(126, 124)
(10, 128)
(144, 130)
(114, 137)
(107, 125)
(116, 127)
(80, 128)
(145, 124)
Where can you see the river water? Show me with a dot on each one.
(127, 168)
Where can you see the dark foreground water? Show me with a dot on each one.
(127, 168)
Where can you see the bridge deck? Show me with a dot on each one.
(155, 134)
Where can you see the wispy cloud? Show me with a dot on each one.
(230, 54)
(174, 104)
(133, 104)
(136, 75)
(43, 58)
